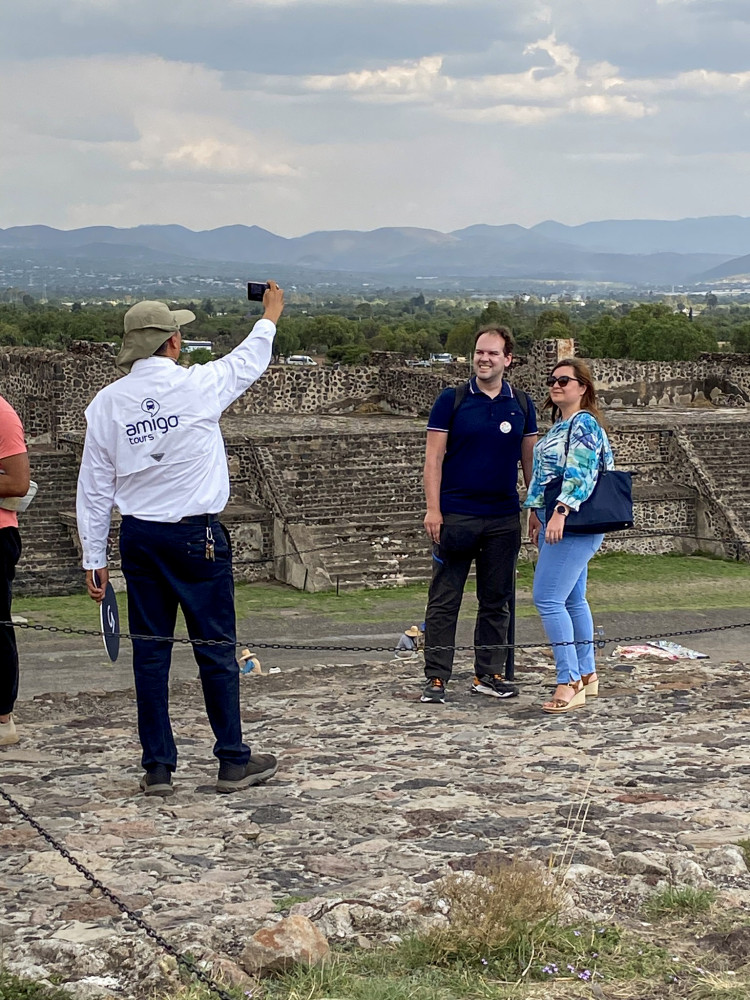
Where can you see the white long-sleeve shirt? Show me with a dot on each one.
(153, 444)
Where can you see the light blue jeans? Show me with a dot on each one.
(560, 598)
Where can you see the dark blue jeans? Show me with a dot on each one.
(493, 544)
(165, 566)
(10, 551)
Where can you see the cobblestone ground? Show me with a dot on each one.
(377, 797)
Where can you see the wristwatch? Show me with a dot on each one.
(560, 509)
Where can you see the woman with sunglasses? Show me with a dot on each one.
(571, 449)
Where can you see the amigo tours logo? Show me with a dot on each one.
(148, 428)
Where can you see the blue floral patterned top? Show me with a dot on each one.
(580, 471)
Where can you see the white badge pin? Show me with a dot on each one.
(505, 427)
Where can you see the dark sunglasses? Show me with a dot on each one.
(562, 380)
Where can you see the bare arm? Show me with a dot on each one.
(527, 457)
(273, 302)
(437, 441)
(15, 482)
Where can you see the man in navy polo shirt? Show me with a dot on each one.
(473, 512)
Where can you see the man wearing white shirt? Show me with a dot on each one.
(154, 450)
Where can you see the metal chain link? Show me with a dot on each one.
(183, 960)
(596, 641)
(736, 543)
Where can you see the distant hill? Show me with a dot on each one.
(629, 251)
(720, 234)
(738, 266)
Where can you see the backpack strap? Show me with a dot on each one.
(523, 402)
(462, 392)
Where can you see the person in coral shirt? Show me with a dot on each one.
(14, 482)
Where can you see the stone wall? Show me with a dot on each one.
(49, 563)
(51, 389)
(357, 496)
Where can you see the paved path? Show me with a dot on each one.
(376, 799)
(52, 662)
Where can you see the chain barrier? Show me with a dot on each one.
(597, 641)
(731, 543)
(182, 960)
(187, 963)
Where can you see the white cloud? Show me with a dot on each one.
(405, 82)
(145, 114)
(346, 113)
(698, 82)
(539, 93)
(224, 157)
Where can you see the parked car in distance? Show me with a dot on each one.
(419, 364)
(300, 359)
(441, 359)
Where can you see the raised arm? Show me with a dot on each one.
(237, 371)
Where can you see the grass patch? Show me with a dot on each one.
(17, 988)
(72, 611)
(288, 901)
(570, 959)
(617, 582)
(678, 901)
(720, 987)
(624, 582)
(504, 912)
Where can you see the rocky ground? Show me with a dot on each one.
(376, 799)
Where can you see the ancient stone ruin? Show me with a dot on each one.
(326, 464)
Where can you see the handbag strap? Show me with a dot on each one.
(602, 467)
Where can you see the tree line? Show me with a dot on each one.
(347, 330)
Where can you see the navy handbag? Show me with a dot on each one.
(609, 508)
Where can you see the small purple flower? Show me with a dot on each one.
(485, 962)
(595, 954)
(571, 968)
(577, 933)
(585, 975)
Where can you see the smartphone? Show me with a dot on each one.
(256, 290)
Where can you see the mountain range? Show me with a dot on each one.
(636, 251)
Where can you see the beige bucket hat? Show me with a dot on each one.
(147, 325)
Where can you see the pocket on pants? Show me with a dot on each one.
(457, 539)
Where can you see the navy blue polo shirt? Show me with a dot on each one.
(480, 468)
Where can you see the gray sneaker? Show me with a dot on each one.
(233, 777)
(8, 733)
(157, 781)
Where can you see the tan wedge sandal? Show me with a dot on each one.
(556, 706)
(591, 683)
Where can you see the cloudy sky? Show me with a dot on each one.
(298, 115)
